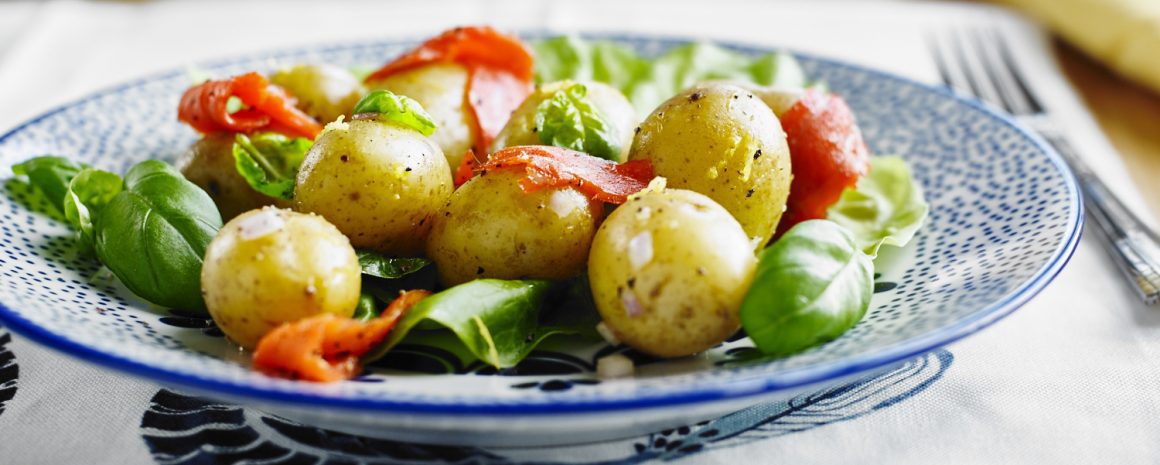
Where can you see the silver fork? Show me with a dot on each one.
(978, 62)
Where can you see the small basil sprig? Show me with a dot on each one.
(269, 162)
(568, 119)
(379, 266)
(88, 193)
(886, 208)
(811, 286)
(398, 109)
(50, 175)
(153, 235)
(496, 320)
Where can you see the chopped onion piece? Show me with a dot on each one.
(607, 334)
(614, 366)
(267, 221)
(640, 250)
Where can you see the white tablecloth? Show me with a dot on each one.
(1070, 378)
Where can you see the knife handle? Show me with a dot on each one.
(1134, 247)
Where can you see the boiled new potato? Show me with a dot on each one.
(324, 92)
(209, 163)
(491, 228)
(722, 141)
(779, 99)
(378, 182)
(610, 103)
(669, 270)
(440, 89)
(271, 266)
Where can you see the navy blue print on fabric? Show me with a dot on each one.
(185, 430)
(9, 371)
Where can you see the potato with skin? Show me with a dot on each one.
(379, 183)
(490, 228)
(271, 266)
(722, 141)
(669, 270)
(779, 99)
(323, 91)
(209, 163)
(440, 89)
(613, 107)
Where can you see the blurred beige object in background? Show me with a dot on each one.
(1124, 34)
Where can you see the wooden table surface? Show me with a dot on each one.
(1129, 115)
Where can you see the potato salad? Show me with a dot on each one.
(503, 192)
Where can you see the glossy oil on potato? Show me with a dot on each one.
(271, 266)
(379, 183)
(440, 89)
(491, 228)
(613, 107)
(209, 163)
(324, 92)
(669, 270)
(722, 141)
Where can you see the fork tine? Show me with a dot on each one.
(954, 73)
(944, 74)
(964, 82)
(1019, 80)
(998, 72)
(973, 66)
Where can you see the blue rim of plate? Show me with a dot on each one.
(719, 391)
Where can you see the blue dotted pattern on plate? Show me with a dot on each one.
(1004, 219)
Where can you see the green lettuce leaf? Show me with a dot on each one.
(269, 162)
(397, 109)
(497, 321)
(885, 208)
(567, 119)
(647, 82)
(50, 175)
(87, 195)
(389, 268)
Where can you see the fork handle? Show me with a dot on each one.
(1134, 247)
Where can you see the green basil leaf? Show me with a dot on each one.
(886, 207)
(367, 308)
(573, 310)
(811, 286)
(398, 109)
(87, 195)
(498, 321)
(568, 119)
(153, 235)
(269, 162)
(50, 175)
(389, 268)
(646, 82)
